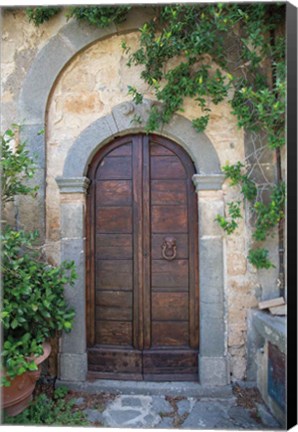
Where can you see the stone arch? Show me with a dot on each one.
(120, 122)
(38, 84)
(36, 89)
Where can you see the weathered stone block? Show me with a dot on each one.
(214, 370)
(208, 182)
(208, 210)
(35, 143)
(73, 185)
(80, 34)
(211, 252)
(72, 220)
(213, 344)
(207, 161)
(76, 162)
(40, 78)
(75, 341)
(73, 367)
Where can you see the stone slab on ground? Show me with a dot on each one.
(147, 411)
(205, 415)
(93, 415)
(156, 412)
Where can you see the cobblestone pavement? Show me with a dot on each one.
(182, 412)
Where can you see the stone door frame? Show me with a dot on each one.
(37, 87)
(73, 185)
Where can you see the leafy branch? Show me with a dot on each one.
(16, 167)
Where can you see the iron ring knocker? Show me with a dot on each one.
(169, 248)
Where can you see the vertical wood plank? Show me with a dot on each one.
(137, 242)
(90, 266)
(146, 244)
(193, 266)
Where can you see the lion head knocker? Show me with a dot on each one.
(169, 248)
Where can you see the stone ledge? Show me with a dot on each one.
(73, 185)
(271, 328)
(208, 181)
(180, 388)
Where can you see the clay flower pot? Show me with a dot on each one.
(18, 395)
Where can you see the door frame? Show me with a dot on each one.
(193, 306)
(73, 186)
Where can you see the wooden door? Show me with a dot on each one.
(142, 262)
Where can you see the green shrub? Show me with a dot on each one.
(33, 304)
(16, 167)
(45, 411)
(100, 16)
(41, 14)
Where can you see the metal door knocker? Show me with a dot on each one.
(169, 248)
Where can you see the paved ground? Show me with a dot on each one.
(232, 409)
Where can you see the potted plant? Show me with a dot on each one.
(33, 305)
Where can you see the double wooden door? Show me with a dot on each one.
(142, 275)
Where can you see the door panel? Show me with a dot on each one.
(114, 246)
(168, 192)
(169, 306)
(169, 334)
(142, 275)
(166, 167)
(169, 219)
(114, 192)
(114, 220)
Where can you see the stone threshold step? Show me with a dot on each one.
(189, 389)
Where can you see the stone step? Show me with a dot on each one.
(190, 389)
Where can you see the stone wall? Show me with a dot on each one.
(93, 82)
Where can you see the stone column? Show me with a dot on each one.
(73, 352)
(213, 361)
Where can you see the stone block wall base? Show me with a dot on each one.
(214, 371)
(73, 367)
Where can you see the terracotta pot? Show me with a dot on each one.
(18, 395)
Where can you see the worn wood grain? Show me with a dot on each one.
(114, 220)
(169, 273)
(169, 219)
(114, 274)
(113, 333)
(159, 150)
(112, 168)
(170, 306)
(170, 333)
(114, 192)
(167, 167)
(168, 192)
(109, 360)
(117, 299)
(113, 313)
(114, 246)
(122, 150)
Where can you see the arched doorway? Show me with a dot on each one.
(142, 262)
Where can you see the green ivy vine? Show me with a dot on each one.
(252, 78)
(193, 34)
(39, 15)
